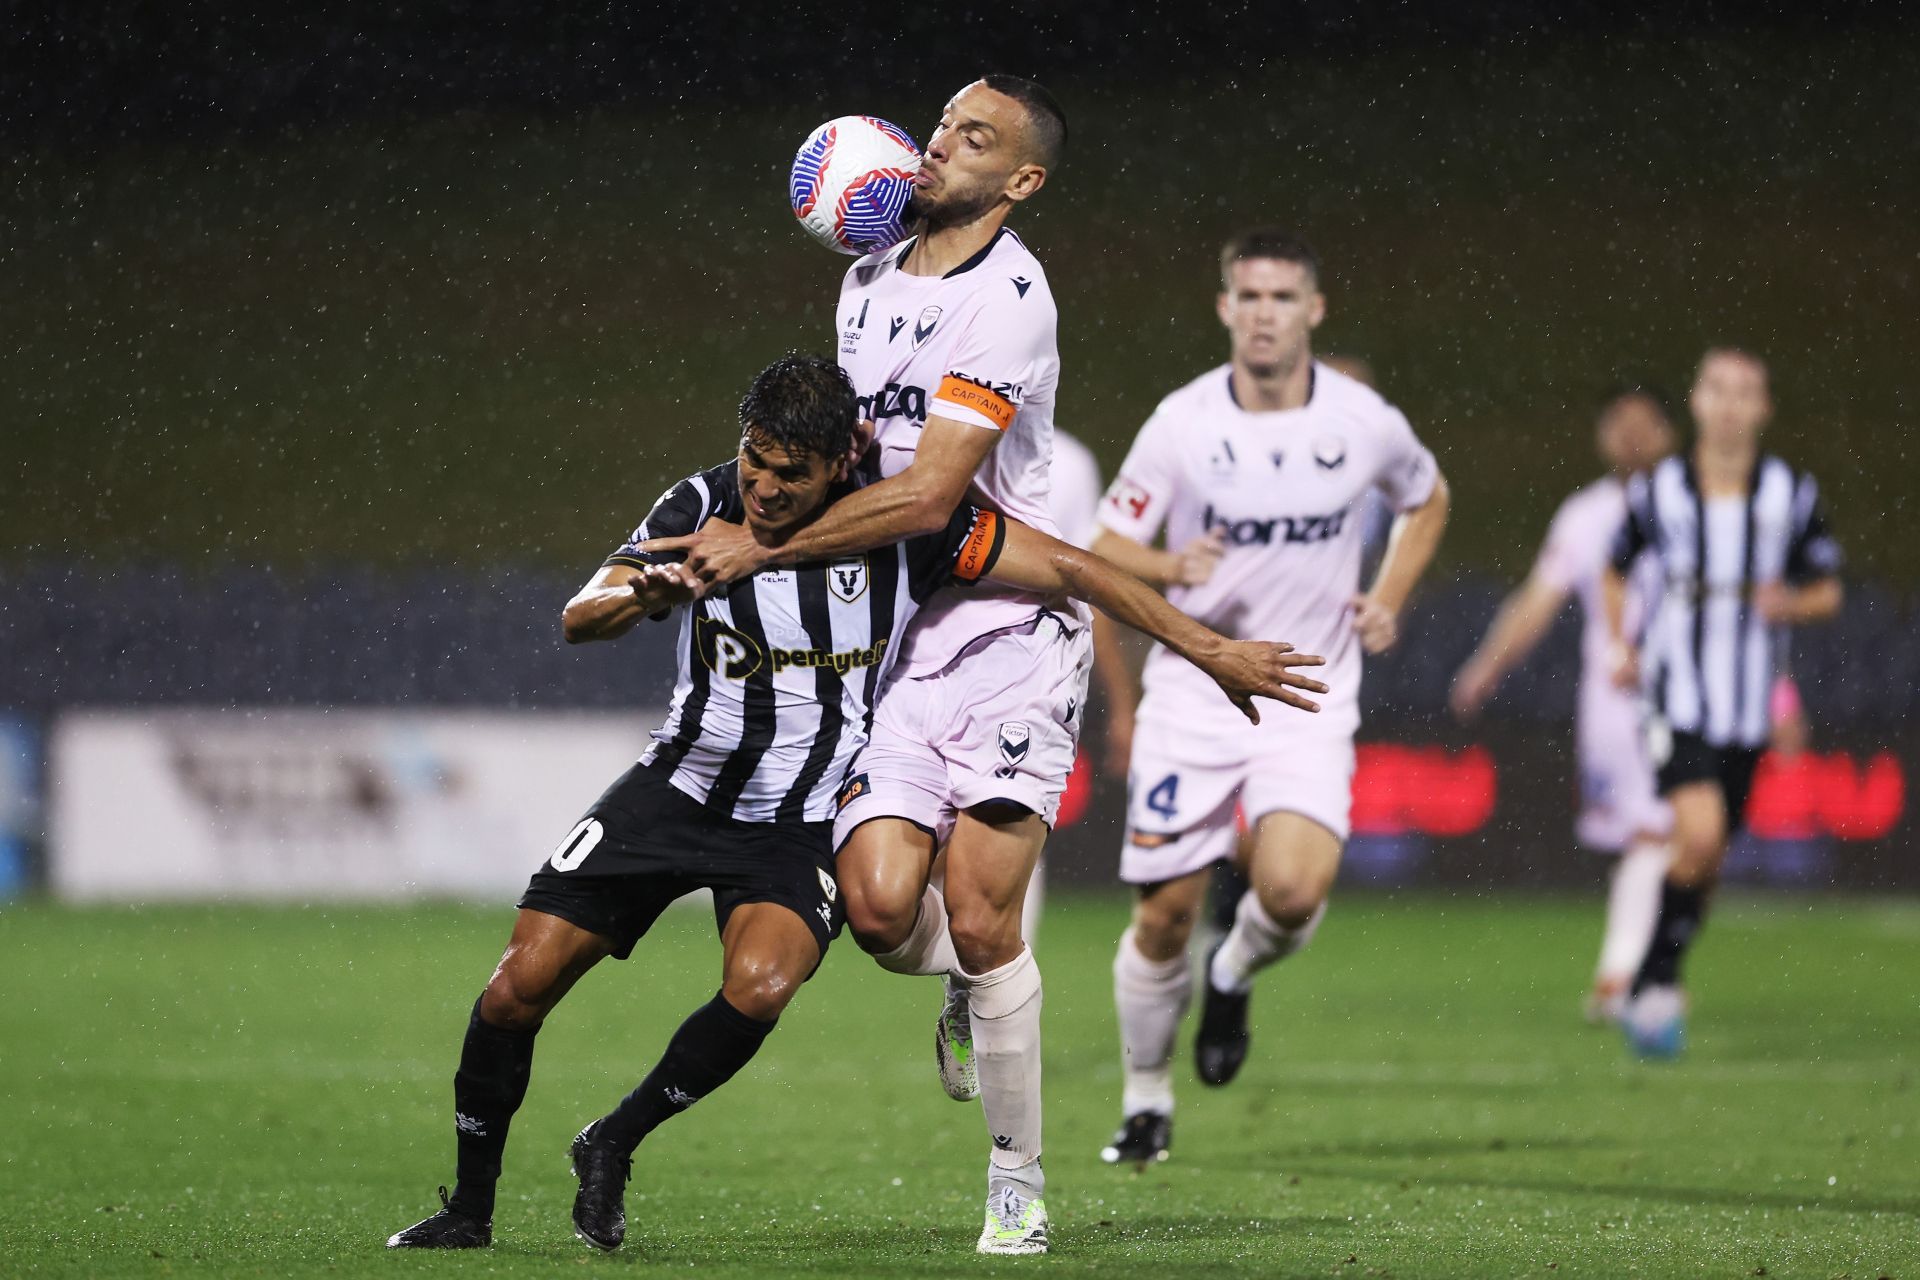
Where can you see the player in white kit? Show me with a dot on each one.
(949, 339)
(1274, 453)
(1620, 809)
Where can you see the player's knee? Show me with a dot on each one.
(512, 1003)
(984, 939)
(762, 992)
(1161, 928)
(879, 919)
(1289, 902)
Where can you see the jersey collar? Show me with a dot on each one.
(1313, 383)
(906, 247)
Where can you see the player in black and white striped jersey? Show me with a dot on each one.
(738, 791)
(1745, 551)
(796, 656)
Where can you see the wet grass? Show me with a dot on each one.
(266, 1092)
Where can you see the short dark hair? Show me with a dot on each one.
(1637, 389)
(1268, 242)
(804, 404)
(1046, 121)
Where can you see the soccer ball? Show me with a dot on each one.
(851, 180)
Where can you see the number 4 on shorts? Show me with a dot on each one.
(1163, 799)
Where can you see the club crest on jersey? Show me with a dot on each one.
(923, 329)
(1330, 452)
(1015, 739)
(725, 651)
(847, 579)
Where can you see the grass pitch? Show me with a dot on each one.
(267, 1092)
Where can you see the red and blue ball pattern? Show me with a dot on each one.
(865, 211)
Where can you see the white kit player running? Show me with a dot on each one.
(1273, 453)
(949, 339)
(1620, 808)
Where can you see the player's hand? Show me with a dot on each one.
(1194, 563)
(717, 553)
(1471, 689)
(1775, 602)
(1377, 626)
(1623, 665)
(664, 585)
(1246, 669)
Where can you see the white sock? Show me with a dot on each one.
(1031, 906)
(928, 949)
(1151, 997)
(1256, 941)
(1633, 907)
(1005, 1004)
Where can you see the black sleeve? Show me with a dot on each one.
(965, 550)
(1636, 531)
(1813, 553)
(680, 510)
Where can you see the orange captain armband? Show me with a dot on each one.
(982, 547)
(982, 400)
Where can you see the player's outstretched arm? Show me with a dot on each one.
(1190, 565)
(1243, 669)
(919, 500)
(1524, 619)
(1410, 547)
(618, 597)
(1814, 601)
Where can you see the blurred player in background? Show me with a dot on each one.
(950, 338)
(1744, 550)
(1274, 455)
(737, 792)
(1620, 809)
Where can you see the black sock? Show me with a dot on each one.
(1681, 911)
(715, 1041)
(495, 1064)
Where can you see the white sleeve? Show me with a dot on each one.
(1137, 501)
(1005, 350)
(1074, 481)
(1407, 469)
(1564, 563)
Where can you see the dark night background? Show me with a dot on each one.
(338, 344)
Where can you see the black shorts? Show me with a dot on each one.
(1694, 759)
(645, 842)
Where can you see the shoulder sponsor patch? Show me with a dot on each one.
(854, 787)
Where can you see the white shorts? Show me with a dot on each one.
(1182, 817)
(1619, 798)
(999, 722)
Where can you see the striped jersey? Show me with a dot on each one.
(1709, 657)
(777, 678)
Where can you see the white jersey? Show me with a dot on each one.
(1578, 546)
(1285, 489)
(1075, 500)
(977, 345)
